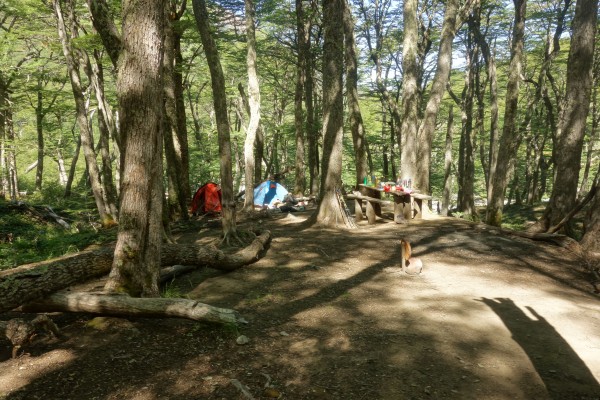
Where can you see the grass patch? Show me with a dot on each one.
(27, 238)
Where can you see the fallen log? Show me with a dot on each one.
(31, 282)
(123, 305)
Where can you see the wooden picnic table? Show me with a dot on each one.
(407, 205)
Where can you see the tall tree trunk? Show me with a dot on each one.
(438, 89)
(410, 92)
(107, 128)
(330, 212)
(73, 168)
(490, 60)
(448, 164)
(572, 122)
(39, 117)
(4, 103)
(312, 130)
(593, 135)
(359, 137)
(254, 105)
(299, 120)
(177, 199)
(136, 263)
(81, 114)
(181, 140)
(9, 187)
(499, 175)
(466, 202)
(220, 104)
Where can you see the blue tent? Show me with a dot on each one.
(268, 192)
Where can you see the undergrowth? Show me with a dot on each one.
(25, 237)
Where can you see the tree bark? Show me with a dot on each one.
(177, 200)
(122, 305)
(81, 114)
(448, 164)
(299, 120)
(509, 139)
(359, 137)
(330, 212)
(108, 131)
(140, 94)
(438, 88)
(106, 28)
(32, 282)
(572, 123)
(254, 105)
(590, 242)
(410, 92)
(220, 105)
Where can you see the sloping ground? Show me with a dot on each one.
(333, 317)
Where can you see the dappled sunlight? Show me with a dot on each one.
(17, 373)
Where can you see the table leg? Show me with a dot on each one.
(418, 208)
(358, 214)
(372, 212)
(402, 207)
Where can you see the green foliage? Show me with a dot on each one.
(171, 291)
(34, 239)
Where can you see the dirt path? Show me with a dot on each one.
(333, 317)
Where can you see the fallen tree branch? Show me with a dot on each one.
(31, 282)
(123, 305)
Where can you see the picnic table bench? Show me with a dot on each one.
(407, 205)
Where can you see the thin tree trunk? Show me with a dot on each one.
(220, 104)
(73, 167)
(438, 89)
(39, 117)
(448, 164)
(509, 140)
(299, 120)
(81, 116)
(177, 200)
(107, 128)
(254, 105)
(181, 141)
(359, 137)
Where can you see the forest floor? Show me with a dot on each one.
(332, 316)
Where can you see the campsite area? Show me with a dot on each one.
(332, 316)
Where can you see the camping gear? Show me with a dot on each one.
(207, 199)
(268, 193)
